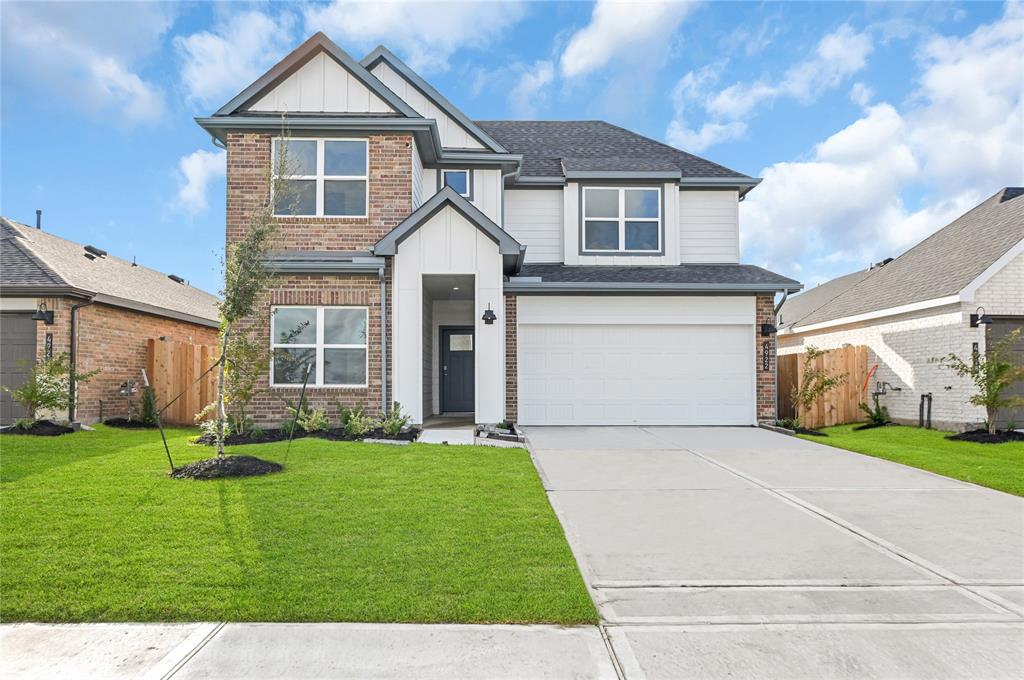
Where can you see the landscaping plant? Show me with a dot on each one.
(879, 415)
(392, 423)
(48, 385)
(816, 382)
(246, 358)
(354, 421)
(992, 374)
(313, 420)
(149, 409)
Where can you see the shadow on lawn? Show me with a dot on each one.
(46, 454)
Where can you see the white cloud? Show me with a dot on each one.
(958, 140)
(528, 91)
(426, 34)
(861, 94)
(198, 170)
(218, 64)
(88, 54)
(690, 90)
(621, 30)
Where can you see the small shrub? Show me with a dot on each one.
(879, 415)
(788, 423)
(392, 424)
(288, 426)
(48, 385)
(354, 421)
(209, 428)
(313, 420)
(149, 410)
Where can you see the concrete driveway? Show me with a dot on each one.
(738, 552)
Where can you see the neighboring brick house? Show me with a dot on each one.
(117, 307)
(567, 272)
(919, 306)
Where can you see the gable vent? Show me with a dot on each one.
(175, 278)
(98, 252)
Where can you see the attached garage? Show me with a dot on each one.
(627, 360)
(17, 354)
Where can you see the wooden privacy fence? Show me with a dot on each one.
(837, 407)
(175, 367)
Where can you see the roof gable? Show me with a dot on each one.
(318, 77)
(456, 129)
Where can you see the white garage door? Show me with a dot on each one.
(624, 365)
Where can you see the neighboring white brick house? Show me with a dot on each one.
(903, 334)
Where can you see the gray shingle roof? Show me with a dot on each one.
(799, 306)
(939, 266)
(700, 274)
(41, 260)
(545, 143)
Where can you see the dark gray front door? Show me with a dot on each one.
(999, 330)
(457, 370)
(17, 353)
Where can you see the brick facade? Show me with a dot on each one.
(113, 340)
(511, 359)
(765, 374)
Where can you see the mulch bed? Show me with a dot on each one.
(336, 434)
(228, 466)
(41, 428)
(129, 424)
(872, 426)
(983, 437)
(813, 433)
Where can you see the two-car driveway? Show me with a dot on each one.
(738, 552)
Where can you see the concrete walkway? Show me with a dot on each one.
(741, 553)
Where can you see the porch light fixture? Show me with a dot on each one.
(980, 318)
(768, 329)
(489, 316)
(43, 314)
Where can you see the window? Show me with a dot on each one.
(332, 339)
(459, 180)
(323, 177)
(621, 220)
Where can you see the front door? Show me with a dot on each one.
(457, 370)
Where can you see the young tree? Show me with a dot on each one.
(48, 385)
(816, 381)
(992, 373)
(246, 357)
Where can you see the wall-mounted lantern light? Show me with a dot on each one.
(980, 318)
(489, 316)
(768, 329)
(43, 314)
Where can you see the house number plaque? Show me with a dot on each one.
(48, 347)
(766, 356)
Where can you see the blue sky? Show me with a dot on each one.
(873, 124)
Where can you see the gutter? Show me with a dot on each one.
(536, 285)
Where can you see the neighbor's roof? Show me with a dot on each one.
(695, 277)
(799, 306)
(939, 266)
(547, 145)
(36, 262)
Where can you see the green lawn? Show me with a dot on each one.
(93, 529)
(999, 466)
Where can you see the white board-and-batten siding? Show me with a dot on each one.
(534, 218)
(322, 85)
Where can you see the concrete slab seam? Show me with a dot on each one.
(191, 654)
(611, 652)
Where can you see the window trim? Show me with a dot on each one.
(469, 180)
(319, 346)
(320, 178)
(622, 219)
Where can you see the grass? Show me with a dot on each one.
(93, 529)
(997, 466)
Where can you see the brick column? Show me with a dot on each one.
(765, 373)
(511, 360)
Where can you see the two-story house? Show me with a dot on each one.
(547, 272)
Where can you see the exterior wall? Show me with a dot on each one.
(534, 218)
(428, 354)
(766, 378)
(417, 177)
(709, 226)
(486, 194)
(1003, 294)
(113, 340)
(448, 244)
(453, 135)
(511, 359)
(322, 85)
(267, 407)
(390, 178)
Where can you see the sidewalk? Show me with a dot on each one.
(301, 650)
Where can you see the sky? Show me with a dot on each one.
(872, 124)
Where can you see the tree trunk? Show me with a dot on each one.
(222, 415)
(993, 415)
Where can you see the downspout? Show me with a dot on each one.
(775, 384)
(73, 354)
(383, 341)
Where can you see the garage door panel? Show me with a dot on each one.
(591, 374)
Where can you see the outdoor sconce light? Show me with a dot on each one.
(43, 314)
(489, 316)
(768, 329)
(980, 318)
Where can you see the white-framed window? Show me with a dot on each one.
(324, 177)
(621, 219)
(459, 180)
(332, 339)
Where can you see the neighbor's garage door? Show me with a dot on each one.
(636, 360)
(999, 330)
(17, 352)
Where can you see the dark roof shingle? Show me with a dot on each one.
(700, 274)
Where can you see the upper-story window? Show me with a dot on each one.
(461, 181)
(622, 220)
(323, 177)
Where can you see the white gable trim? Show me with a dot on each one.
(967, 294)
(878, 314)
